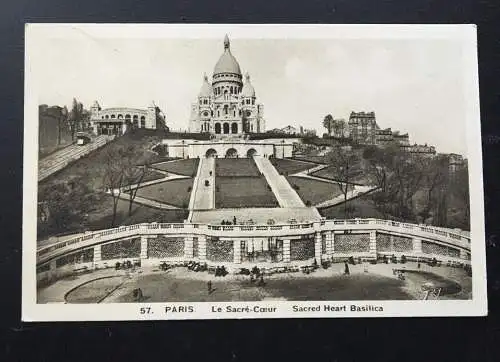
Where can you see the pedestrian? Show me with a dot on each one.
(234, 220)
(209, 286)
(346, 268)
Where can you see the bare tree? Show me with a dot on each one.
(114, 177)
(76, 117)
(343, 162)
(133, 174)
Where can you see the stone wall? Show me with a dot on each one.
(220, 250)
(165, 247)
(130, 248)
(345, 243)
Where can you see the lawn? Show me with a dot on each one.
(236, 167)
(362, 207)
(102, 215)
(243, 192)
(356, 175)
(288, 167)
(175, 192)
(152, 175)
(314, 191)
(180, 167)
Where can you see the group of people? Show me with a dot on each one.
(228, 222)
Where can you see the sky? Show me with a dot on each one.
(412, 85)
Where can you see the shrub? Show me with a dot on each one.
(308, 203)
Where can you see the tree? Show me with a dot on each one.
(133, 175)
(397, 176)
(436, 184)
(122, 174)
(460, 190)
(67, 203)
(328, 123)
(76, 117)
(113, 178)
(343, 162)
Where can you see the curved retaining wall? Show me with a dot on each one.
(240, 244)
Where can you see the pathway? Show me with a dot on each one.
(285, 194)
(203, 197)
(355, 192)
(60, 159)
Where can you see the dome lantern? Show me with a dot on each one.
(227, 63)
(248, 89)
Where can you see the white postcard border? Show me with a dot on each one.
(31, 311)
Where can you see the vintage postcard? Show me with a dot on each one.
(252, 171)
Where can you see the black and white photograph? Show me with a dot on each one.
(251, 171)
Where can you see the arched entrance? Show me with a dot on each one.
(231, 153)
(234, 127)
(251, 152)
(211, 153)
(226, 128)
(217, 128)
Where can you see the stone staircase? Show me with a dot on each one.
(284, 193)
(203, 197)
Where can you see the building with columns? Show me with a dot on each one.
(115, 121)
(226, 105)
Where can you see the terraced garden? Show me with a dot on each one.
(238, 183)
(288, 166)
(175, 192)
(152, 175)
(186, 167)
(312, 191)
(356, 175)
(243, 192)
(236, 167)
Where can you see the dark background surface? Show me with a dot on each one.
(429, 339)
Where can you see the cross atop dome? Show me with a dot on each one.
(226, 42)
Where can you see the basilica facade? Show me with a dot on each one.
(226, 105)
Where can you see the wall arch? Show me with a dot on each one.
(231, 153)
(211, 153)
(252, 152)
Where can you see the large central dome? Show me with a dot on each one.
(227, 63)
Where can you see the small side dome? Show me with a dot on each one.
(248, 89)
(206, 88)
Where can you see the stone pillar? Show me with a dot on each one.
(329, 243)
(188, 247)
(97, 254)
(417, 246)
(373, 243)
(144, 247)
(237, 251)
(317, 246)
(202, 247)
(286, 250)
